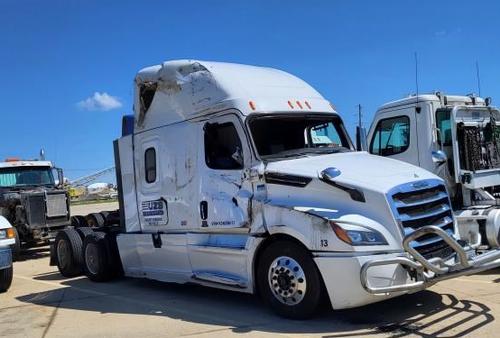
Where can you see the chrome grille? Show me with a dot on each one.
(424, 203)
(56, 205)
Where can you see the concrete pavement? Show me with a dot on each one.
(41, 303)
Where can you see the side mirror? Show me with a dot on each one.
(361, 143)
(439, 157)
(60, 177)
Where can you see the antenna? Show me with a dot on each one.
(417, 108)
(478, 79)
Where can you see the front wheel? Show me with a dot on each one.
(5, 279)
(289, 281)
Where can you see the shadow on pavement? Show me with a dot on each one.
(36, 252)
(424, 314)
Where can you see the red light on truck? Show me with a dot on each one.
(307, 104)
(12, 159)
(298, 104)
(251, 104)
(290, 104)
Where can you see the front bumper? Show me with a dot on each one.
(427, 272)
(341, 278)
(5, 258)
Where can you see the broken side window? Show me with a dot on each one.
(147, 92)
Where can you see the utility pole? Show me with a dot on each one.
(360, 115)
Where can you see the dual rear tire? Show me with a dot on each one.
(100, 261)
(68, 251)
(83, 250)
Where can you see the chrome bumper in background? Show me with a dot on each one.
(427, 272)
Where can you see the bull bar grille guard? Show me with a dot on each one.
(432, 270)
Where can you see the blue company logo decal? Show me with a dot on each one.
(155, 212)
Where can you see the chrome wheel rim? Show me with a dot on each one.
(63, 253)
(287, 280)
(92, 259)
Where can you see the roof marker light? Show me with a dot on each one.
(251, 104)
(290, 104)
(298, 104)
(307, 104)
(12, 159)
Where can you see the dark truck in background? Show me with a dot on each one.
(32, 201)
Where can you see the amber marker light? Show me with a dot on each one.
(341, 233)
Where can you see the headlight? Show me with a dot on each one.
(358, 235)
(7, 233)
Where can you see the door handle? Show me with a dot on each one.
(204, 210)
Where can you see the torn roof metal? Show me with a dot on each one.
(183, 89)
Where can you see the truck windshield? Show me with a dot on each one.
(291, 136)
(26, 176)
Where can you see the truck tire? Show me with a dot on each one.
(68, 250)
(84, 232)
(16, 247)
(289, 281)
(95, 220)
(96, 254)
(6, 279)
(78, 221)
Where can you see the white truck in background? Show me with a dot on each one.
(7, 239)
(458, 139)
(244, 178)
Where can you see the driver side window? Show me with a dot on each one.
(391, 137)
(223, 146)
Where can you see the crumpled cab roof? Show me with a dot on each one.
(183, 89)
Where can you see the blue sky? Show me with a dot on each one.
(57, 54)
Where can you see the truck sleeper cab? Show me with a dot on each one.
(244, 178)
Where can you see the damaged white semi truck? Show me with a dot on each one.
(244, 178)
(457, 138)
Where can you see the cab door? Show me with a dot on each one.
(225, 193)
(394, 134)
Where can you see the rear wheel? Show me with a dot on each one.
(84, 232)
(78, 221)
(96, 254)
(5, 279)
(95, 220)
(68, 250)
(289, 280)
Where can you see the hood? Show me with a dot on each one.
(356, 169)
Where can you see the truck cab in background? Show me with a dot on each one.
(458, 139)
(32, 201)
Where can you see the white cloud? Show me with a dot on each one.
(100, 101)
